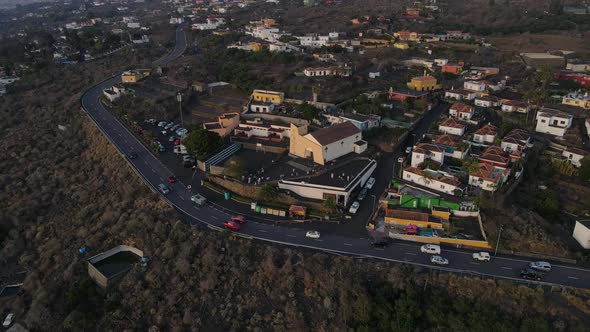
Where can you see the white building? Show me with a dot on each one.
(486, 134)
(361, 121)
(578, 67)
(424, 151)
(553, 122)
(279, 47)
(133, 25)
(510, 106)
(488, 177)
(587, 124)
(451, 126)
(461, 111)
(261, 107)
(435, 180)
(478, 86)
(460, 94)
(487, 101)
(211, 24)
(114, 93)
(574, 156)
(441, 62)
(516, 140)
(582, 233)
(339, 184)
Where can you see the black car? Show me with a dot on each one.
(531, 274)
(380, 243)
(132, 155)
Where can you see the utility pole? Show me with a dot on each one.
(498, 242)
(179, 98)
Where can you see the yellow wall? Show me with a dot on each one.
(423, 85)
(441, 214)
(576, 102)
(298, 145)
(421, 224)
(443, 240)
(401, 46)
(129, 78)
(275, 98)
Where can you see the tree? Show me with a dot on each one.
(555, 7)
(201, 142)
(308, 111)
(329, 204)
(267, 192)
(544, 76)
(584, 171)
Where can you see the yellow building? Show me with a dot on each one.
(577, 100)
(224, 125)
(441, 212)
(423, 83)
(405, 217)
(267, 96)
(268, 22)
(134, 76)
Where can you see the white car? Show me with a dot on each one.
(408, 150)
(170, 125)
(438, 260)
(312, 234)
(354, 207)
(8, 320)
(164, 132)
(162, 124)
(540, 266)
(481, 256)
(370, 183)
(163, 189)
(432, 249)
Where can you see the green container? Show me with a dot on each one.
(226, 195)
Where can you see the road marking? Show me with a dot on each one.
(214, 217)
(263, 231)
(153, 170)
(506, 268)
(573, 278)
(181, 197)
(410, 253)
(348, 244)
(474, 263)
(407, 245)
(379, 249)
(319, 240)
(291, 235)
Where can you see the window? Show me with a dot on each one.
(543, 121)
(408, 176)
(562, 122)
(442, 186)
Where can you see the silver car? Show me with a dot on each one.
(163, 189)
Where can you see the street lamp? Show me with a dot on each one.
(374, 198)
(179, 98)
(498, 242)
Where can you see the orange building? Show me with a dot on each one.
(452, 68)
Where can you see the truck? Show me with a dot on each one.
(180, 149)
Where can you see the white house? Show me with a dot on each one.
(425, 151)
(553, 122)
(339, 184)
(451, 126)
(435, 180)
(461, 111)
(478, 86)
(574, 156)
(319, 71)
(510, 106)
(114, 93)
(486, 134)
(487, 101)
(211, 24)
(261, 107)
(460, 94)
(452, 146)
(582, 233)
(587, 123)
(516, 140)
(488, 177)
(441, 62)
(362, 121)
(278, 47)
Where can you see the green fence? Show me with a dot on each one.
(409, 201)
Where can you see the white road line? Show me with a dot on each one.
(506, 268)
(181, 197)
(318, 240)
(153, 170)
(291, 235)
(263, 231)
(379, 249)
(410, 253)
(573, 278)
(214, 217)
(473, 263)
(348, 244)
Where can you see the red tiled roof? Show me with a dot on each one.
(518, 134)
(515, 103)
(462, 108)
(447, 140)
(445, 179)
(485, 172)
(495, 154)
(547, 112)
(425, 147)
(452, 123)
(487, 130)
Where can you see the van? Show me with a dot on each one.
(432, 249)
(540, 266)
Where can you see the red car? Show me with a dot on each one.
(177, 142)
(171, 179)
(238, 219)
(233, 226)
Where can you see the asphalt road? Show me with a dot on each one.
(154, 172)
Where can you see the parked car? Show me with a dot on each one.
(380, 242)
(171, 139)
(173, 128)
(8, 320)
(362, 194)
(132, 155)
(481, 256)
(233, 226)
(151, 121)
(169, 126)
(354, 207)
(164, 132)
(400, 160)
(312, 234)
(432, 249)
(532, 274)
(540, 266)
(238, 219)
(171, 179)
(408, 150)
(370, 183)
(177, 142)
(161, 148)
(162, 124)
(163, 189)
(438, 260)
(181, 131)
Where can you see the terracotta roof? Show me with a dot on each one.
(447, 140)
(495, 154)
(451, 122)
(462, 108)
(489, 172)
(409, 215)
(488, 98)
(335, 133)
(515, 103)
(487, 130)
(425, 147)
(550, 112)
(518, 134)
(461, 91)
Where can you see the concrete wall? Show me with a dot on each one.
(100, 278)
(582, 235)
(341, 147)
(267, 148)
(216, 170)
(439, 240)
(273, 117)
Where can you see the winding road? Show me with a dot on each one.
(154, 172)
